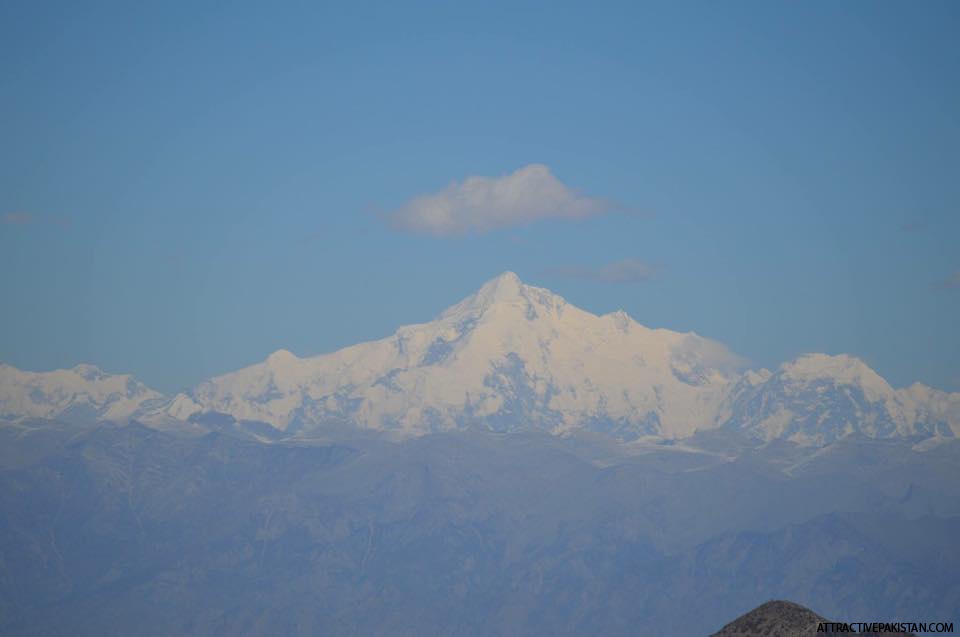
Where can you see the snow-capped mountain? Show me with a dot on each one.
(817, 399)
(83, 392)
(510, 356)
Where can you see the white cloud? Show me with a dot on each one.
(481, 204)
(624, 271)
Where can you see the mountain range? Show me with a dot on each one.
(583, 475)
(514, 357)
(120, 530)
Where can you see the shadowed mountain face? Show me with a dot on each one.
(109, 530)
(782, 619)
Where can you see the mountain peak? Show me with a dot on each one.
(503, 289)
(841, 368)
(774, 618)
(780, 618)
(88, 372)
(84, 390)
(506, 286)
(282, 356)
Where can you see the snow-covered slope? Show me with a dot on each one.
(817, 399)
(81, 393)
(510, 356)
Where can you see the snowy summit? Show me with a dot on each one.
(514, 357)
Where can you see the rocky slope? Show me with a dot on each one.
(783, 619)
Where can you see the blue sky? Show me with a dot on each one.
(187, 187)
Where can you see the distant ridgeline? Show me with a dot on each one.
(130, 530)
(513, 357)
